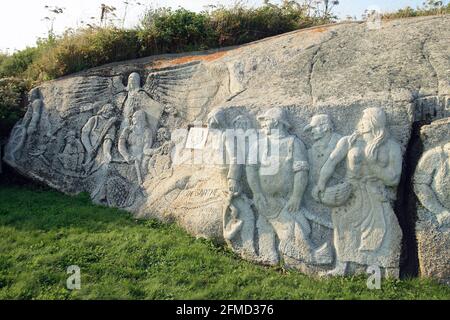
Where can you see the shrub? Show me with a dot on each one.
(12, 106)
(240, 25)
(410, 12)
(18, 63)
(164, 31)
(83, 49)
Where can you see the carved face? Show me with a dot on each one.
(319, 130)
(364, 125)
(71, 136)
(373, 119)
(268, 125)
(134, 81)
(241, 122)
(107, 111)
(216, 119)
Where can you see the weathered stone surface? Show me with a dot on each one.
(323, 117)
(432, 187)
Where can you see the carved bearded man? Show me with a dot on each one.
(278, 179)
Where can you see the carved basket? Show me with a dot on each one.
(337, 195)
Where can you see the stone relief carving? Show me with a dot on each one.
(324, 142)
(432, 183)
(135, 143)
(239, 220)
(366, 230)
(269, 200)
(431, 186)
(72, 155)
(98, 135)
(26, 127)
(278, 191)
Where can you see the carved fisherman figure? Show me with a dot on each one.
(278, 181)
(135, 143)
(366, 230)
(325, 140)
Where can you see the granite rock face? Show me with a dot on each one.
(289, 149)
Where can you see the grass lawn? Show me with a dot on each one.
(43, 232)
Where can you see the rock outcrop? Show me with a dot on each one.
(290, 149)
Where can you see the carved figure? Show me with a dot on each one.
(26, 127)
(432, 182)
(238, 220)
(366, 230)
(132, 101)
(135, 143)
(72, 155)
(139, 98)
(99, 133)
(325, 140)
(278, 191)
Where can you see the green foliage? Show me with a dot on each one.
(83, 49)
(161, 31)
(12, 92)
(18, 63)
(43, 232)
(430, 9)
(165, 31)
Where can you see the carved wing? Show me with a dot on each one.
(191, 88)
(89, 93)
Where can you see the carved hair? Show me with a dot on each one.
(376, 118)
(217, 118)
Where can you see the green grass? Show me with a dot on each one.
(43, 232)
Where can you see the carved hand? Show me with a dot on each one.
(316, 191)
(293, 205)
(260, 201)
(234, 186)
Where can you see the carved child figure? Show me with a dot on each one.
(239, 220)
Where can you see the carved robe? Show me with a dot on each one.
(366, 228)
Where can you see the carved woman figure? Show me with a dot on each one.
(366, 230)
(26, 128)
